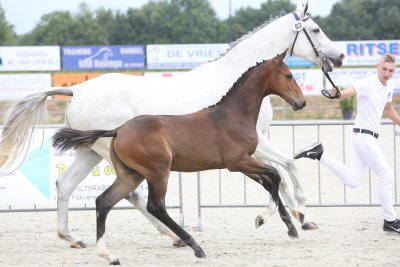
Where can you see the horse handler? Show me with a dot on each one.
(374, 96)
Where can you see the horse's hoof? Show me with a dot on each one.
(115, 262)
(179, 243)
(259, 221)
(78, 244)
(199, 253)
(293, 233)
(309, 226)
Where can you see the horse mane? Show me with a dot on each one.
(238, 83)
(250, 33)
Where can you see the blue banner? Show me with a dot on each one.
(112, 57)
(292, 61)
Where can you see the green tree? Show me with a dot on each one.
(64, 28)
(248, 18)
(172, 21)
(7, 34)
(362, 20)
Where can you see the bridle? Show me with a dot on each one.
(298, 27)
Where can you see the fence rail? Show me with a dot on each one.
(321, 188)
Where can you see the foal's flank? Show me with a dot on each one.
(221, 136)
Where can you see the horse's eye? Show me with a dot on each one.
(289, 77)
(316, 30)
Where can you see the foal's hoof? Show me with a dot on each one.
(78, 244)
(259, 221)
(199, 253)
(309, 226)
(179, 243)
(115, 262)
(293, 233)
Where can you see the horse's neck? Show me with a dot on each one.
(244, 101)
(265, 43)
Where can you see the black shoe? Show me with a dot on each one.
(313, 152)
(392, 226)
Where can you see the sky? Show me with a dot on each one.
(25, 14)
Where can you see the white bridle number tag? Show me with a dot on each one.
(298, 26)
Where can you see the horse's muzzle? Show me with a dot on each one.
(298, 105)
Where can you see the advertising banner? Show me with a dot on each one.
(29, 58)
(112, 57)
(182, 56)
(367, 53)
(309, 80)
(16, 86)
(348, 76)
(34, 182)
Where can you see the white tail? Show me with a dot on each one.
(20, 121)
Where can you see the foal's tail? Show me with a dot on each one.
(67, 138)
(20, 121)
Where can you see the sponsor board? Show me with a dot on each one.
(34, 182)
(182, 56)
(112, 57)
(16, 86)
(29, 58)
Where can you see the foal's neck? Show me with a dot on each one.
(245, 97)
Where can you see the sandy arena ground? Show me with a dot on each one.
(347, 236)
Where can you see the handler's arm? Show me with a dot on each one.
(392, 113)
(350, 91)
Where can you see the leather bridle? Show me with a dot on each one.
(298, 27)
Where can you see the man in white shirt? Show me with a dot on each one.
(374, 96)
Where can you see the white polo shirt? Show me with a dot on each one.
(372, 97)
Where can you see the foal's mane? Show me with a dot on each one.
(238, 83)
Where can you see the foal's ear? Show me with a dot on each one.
(282, 56)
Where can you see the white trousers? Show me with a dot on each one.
(366, 153)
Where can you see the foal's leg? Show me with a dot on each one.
(84, 162)
(122, 185)
(156, 206)
(136, 197)
(269, 178)
(267, 151)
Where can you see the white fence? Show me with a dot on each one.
(320, 186)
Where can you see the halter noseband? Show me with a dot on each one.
(298, 27)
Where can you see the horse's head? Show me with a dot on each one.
(281, 82)
(311, 43)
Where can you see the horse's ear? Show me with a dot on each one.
(306, 8)
(282, 56)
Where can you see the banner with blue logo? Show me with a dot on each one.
(111, 57)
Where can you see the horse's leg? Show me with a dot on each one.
(267, 151)
(137, 197)
(122, 185)
(84, 162)
(156, 206)
(268, 176)
(139, 201)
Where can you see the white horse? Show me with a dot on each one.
(110, 100)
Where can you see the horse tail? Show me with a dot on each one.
(67, 138)
(20, 120)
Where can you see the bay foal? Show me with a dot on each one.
(221, 136)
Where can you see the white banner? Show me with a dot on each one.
(367, 53)
(29, 58)
(309, 80)
(16, 86)
(182, 56)
(34, 182)
(349, 76)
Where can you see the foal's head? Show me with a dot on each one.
(280, 81)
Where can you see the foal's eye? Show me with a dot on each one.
(289, 77)
(316, 30)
